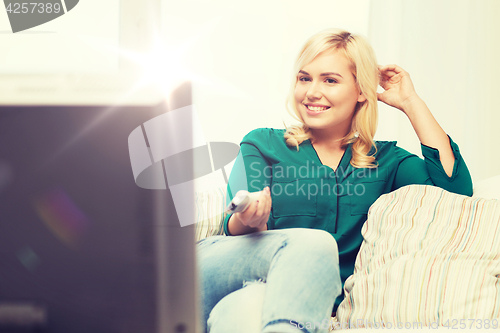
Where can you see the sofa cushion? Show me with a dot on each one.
(428, 256)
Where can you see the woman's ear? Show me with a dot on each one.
(361, 98)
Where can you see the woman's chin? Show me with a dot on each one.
(316, 126)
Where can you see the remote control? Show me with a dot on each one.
(242, 201)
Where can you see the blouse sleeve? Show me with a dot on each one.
(251, 170)
(429, 171)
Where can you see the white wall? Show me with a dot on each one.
(451, 50)
(244, 52)
(80, 41)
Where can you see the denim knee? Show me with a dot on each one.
(314, 241)
(240, 311)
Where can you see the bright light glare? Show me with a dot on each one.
(162, 66)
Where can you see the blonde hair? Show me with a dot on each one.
(363, 64)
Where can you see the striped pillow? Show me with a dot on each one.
(210, 206)
(428, 256)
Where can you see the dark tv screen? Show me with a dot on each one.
(76, 232)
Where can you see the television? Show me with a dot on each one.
(83, 248)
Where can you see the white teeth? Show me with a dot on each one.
(317, 108)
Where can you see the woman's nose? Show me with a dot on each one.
(313, 92)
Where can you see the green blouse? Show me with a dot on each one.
(307, 194)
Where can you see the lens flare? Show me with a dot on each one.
(62, 216)
(28, 258)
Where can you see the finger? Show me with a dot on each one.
(387, 75)
(267, 207)
(269, 204)
(261, 219)
(262, 214)
(262, 203)
(385, 84)
(247, 216)
(256, 219)
(393, 76)
(257, 223)
(391, 67)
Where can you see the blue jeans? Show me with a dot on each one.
(286, 280)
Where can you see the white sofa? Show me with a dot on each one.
(429, 257)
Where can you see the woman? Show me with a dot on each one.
(296, 246)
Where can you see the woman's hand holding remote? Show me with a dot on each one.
(254, 218)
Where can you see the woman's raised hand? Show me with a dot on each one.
(399, 90)
(257, 214)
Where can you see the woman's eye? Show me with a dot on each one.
(304, 78)
(331, 80)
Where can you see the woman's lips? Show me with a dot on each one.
(314, 110)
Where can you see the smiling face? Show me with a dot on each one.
(326, 94)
